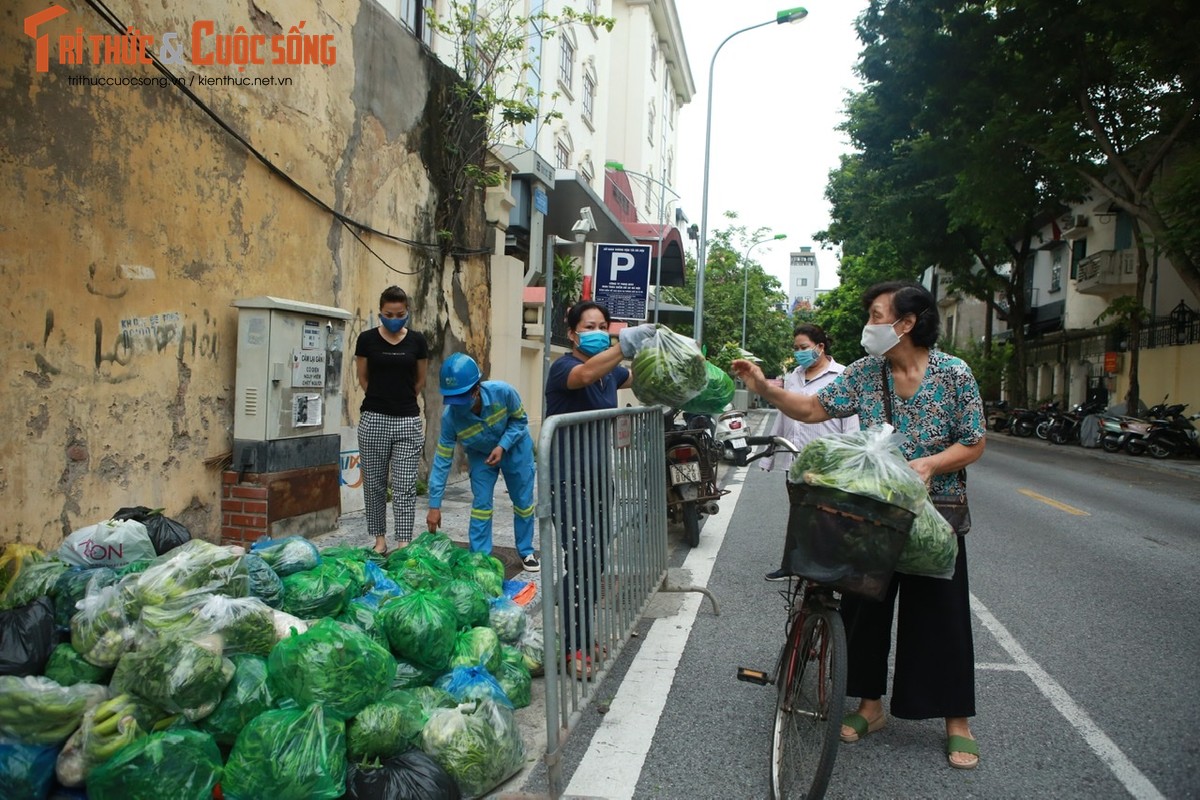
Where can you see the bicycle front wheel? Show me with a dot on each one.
(808, 712)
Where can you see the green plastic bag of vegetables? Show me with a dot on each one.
(485, 570)
(176, 674)
(244, 624)
(318, 592)
(507, 619)
(287, 556)
(265, 584)
(363, 554)
(180, 764)
(418, 569)
(410, 675)
(288, 754)
(420, 627)
(476, 647)
(477, 743)
(473, 683)
(27, 770)
(533, 649)
(867, 462)
(716, 394)
(134, 567)
(335, 665)
(100, 630)
(67, 668)
(516, 682)
(72, 586)
(382, 730)
(438, 545)
(351, 573)
(36, 579)
(932, 547)
(468, 600)
(362, 615)
(669, 370)
(418, 704)
(36, 710)
(247, 695)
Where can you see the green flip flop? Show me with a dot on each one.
(962, 744)
(861, 726)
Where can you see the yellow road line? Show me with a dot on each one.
(1060, 506)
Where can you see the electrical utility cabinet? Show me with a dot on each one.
(288, 411)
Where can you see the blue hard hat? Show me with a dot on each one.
(459, 375)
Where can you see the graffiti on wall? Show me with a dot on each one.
(155, 334)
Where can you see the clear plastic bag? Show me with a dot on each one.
(112, 543)
(195, 567)
(101, 632)
(479, 744)
(932, 546)
(246, 625)
(288, 754)
(476, 647)
(36, 710)
(669, 370)
(508, 620)
(285, 556)
(180, 764)
(178, 675)
(867, 462)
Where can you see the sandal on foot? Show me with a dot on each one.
(962, 745)
(861, 726)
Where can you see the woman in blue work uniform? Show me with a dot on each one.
(488, 419)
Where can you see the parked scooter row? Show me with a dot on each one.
(1163, 432)
(1063, 427)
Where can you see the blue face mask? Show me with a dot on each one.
(393, 324)
(594, 342)
(806, 358)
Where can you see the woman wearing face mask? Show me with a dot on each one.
(586, 379)
(934, 403)
(390, 359)
(815, 369)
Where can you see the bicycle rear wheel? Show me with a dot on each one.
(808, 712)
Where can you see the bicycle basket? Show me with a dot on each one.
(844, 540)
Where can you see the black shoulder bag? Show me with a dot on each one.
(951, 506)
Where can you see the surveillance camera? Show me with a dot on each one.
(585, 225)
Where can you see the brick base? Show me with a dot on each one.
(255, 505)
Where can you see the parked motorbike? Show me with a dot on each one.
(1127, 432)
(730, 435)
(692, 490)
(1025, 422)
(1064, 427)
(1174, 435)
(998, 417)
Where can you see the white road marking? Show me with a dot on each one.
(1137, 784)
(613, 762)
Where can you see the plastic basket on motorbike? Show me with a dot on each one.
(849, 541)
(853, 502)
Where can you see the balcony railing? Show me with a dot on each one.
(1105, 271)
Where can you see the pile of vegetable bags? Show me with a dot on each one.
(868, 462)
(285, 672)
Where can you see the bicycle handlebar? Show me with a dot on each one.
(771, 442)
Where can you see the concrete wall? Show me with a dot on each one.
(132, 220)
(1163, 371)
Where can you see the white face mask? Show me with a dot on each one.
(878, 339)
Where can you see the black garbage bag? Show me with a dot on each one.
(411, 776)
(165, 533)
(27, 638)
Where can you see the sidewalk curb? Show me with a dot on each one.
(1180, 468)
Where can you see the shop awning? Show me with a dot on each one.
(672, 249)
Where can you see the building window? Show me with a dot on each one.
(589, 97)
(587, 170)
(562, 154)
(653, 57)
(566, 67)
(804, 281)
(1056, 273)
(650, 124)
(413, 15)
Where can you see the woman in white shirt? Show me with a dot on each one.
(815, 368)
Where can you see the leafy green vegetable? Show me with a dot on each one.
(36, 710)
(72, 586)
(100, 631)
(669, 370)
(179, 764)
(479, 744)
(195, 567)
(177, 675)
(265, 584)
(335, 665)
(716, 394)
(867, 462)
(67, 668)
(105, 729)
(476, 647)
(420, 627)
(318, 592)
(362, 615)
(410, 675)
(382, 730)
(36, 579)
(532, 647)
(418, 568)
(26, 770)
(135, 567)
(508, 619)
(245, 624)
(485, 570)
(516, 682)
(288, 754)
(932, 546)
(247, 695)
(468, 600)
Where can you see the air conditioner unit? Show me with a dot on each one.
(1076, 227)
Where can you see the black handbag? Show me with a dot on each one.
(953, 508)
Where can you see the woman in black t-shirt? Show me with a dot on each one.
(391, 360)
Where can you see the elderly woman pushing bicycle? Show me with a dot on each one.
(931, 399)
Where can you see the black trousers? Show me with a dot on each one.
(935, 652)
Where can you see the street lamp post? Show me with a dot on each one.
(781, 18)
(746, 278)
(619, 167)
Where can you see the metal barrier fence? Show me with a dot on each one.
(602, 524)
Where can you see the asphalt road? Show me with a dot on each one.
(1087, 635)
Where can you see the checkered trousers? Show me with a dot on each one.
(387, 443)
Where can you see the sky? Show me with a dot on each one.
(778, 95)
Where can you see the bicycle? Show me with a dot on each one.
(810, 672)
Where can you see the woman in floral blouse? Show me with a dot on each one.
(936, 407)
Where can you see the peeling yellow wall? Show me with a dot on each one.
(1163, 372)
(131, 220)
